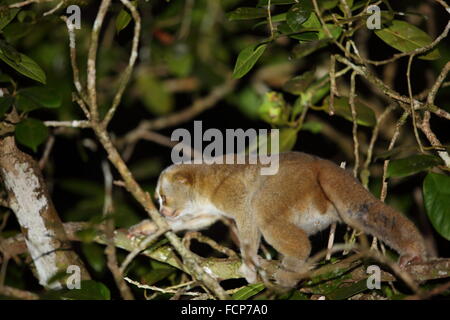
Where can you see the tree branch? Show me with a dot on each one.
(29, 199)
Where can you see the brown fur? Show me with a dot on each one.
(305, 196)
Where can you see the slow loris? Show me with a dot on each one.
(305, 196)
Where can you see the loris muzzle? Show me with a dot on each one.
(305, 196)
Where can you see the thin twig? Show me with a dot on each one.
(154, 288)
(269, 18)
(373, 140)
(18, 293)
(197, 107)
(355, 124)
(439, 82)
(213, 244)
(412, 105)
(25, 3)
(68, 124)
(92, 59)
(398, 125)
(73, 61)
(125, 78)
(333, 88)
(56, 8)
(48, 149)
(426, 129)
(110, 249)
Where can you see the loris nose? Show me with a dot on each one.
(167, 211)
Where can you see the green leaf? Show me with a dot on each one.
(411, 165)
(299, 105)
(334, 30)
(6, 16)
(312, 22)
(318, 93)
(328, 4)
(247, 101)
(264, 3)
(26, 15)
(298, 14)
(5, 103)
(248, 291)
(17, 30)
(436, 195)
(347, 291)
(406, 37)
(33, 98)
(284, 29)
(288, 138)
(179, 60)
(87, 235)
(24, 65)
(305, 49)
(31, 133)
(275, 18)
(274, 109)
(305, 36)
(159, 271)
(246, 13)
(364, 115)
(312, 126)
(247, 59)
(299, 84)
(90, 290)
(95, 255)
(122, 20)
(154, 94)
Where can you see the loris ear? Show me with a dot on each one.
(183, 178)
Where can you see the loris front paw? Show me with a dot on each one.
(144, 228)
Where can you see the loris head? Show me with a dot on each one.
(174, 191)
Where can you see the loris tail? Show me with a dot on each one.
(360, 209)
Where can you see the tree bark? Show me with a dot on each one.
(41, 226)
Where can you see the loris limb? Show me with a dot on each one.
(249, 237)
(187, 222)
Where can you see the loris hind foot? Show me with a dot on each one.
(290, 272)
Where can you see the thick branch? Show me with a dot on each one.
(28, 196)
(224, 269)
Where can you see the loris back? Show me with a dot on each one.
(305, 196)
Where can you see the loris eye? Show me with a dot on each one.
(162, 200)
